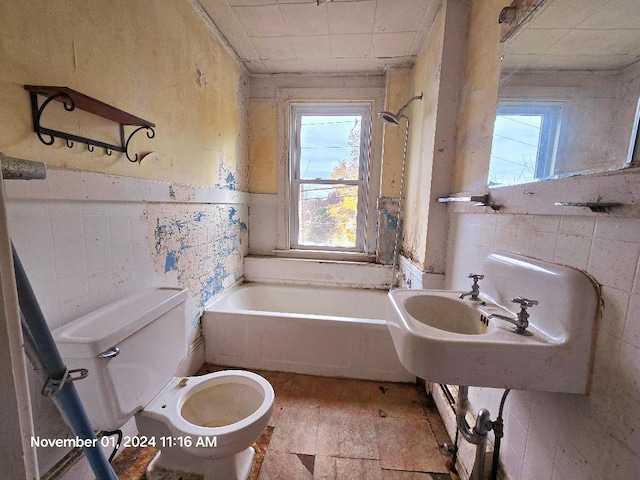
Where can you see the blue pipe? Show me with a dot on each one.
(40, 344)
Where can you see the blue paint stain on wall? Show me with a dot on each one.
(214, 258)
(214, 284)
(231, 181)
(235, 221)
(226, 175)
(170, 262)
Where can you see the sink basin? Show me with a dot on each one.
(444, 339)
(444, 311)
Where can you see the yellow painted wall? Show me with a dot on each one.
(426, 79)
(153, 58)
(479, 96)
(263, 145)
(397, 92)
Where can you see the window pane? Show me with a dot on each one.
(330, 147)
(327, 215)
(515, 149)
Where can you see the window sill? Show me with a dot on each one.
(326, 255)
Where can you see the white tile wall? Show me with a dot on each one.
(558, 436)
(79, 256)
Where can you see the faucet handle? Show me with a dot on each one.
(524, 302)
(475, 276)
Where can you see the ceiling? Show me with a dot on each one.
(339, 36)
(578, 34)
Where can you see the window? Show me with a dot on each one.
(329, 171)
(525, 139)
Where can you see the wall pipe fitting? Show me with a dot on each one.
(45, 358)
(477, 435)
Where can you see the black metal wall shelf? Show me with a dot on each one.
(72, 100)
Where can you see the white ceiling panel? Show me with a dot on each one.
(578, 34)
(340, 36)
(305, 19)
(356, 45)
(317, 46)
(261, 21)
(352, 17)
(385, 45)
(274, 48)
(399, 16)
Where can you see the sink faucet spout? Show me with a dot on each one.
(475, 288)
(521, 320)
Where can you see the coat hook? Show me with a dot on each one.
(108, 152)
(90, 147)
(69, 143)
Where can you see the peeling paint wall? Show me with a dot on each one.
(479, 96)
(86, 247)
(200, 247)
(263, 146)
(263, 120)
(397, 92)
(267, 156)
(388, 230)
(154, 59)
(423, 115)
(438, 74)
(87, 241)
(549, 435)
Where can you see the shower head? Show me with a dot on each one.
(394, 118)
(389, 118)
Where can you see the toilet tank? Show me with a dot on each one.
(148, 329)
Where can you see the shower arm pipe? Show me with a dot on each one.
(46, 360)
(404, 107)
(396, 245)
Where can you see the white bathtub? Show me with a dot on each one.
(315, 330)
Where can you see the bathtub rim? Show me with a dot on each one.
(209, 307)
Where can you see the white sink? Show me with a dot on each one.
(444, 339)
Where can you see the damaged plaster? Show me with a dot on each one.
(200, 247)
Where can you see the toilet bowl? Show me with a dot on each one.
(133, 349)
(206, 425)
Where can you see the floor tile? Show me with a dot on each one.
(332, 468)
(408, 444)
(337, 429)
(343, 434)
(374, 398)
(298, 390)
(296, 430)
(435, 421)
(260, 446)
(132, 462)
(285, 466)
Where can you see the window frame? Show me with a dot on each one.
(374, 96)
(551, 113)
(297, 111)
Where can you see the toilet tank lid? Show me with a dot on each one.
(92, 334)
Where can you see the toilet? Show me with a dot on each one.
(132, 349)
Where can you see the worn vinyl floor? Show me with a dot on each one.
(336, 429)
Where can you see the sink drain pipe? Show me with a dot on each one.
(478, 435)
